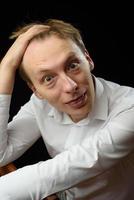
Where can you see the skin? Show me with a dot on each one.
(61, 73)
(13, 58)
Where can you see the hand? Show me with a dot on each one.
(13, 58)
(15, 53)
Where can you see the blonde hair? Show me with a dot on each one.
(57, 27)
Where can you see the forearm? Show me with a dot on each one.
(4, 116)
(93, 156)
(13, 58)
(38, 181)
(68, 169)
(7, 77)
(18, 135)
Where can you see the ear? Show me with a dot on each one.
(31, 86)
(91, 63)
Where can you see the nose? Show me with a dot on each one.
(69, 85)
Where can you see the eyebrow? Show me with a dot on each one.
(66, 61)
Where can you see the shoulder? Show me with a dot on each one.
(120, 97)
(117, 92)
(39, 105)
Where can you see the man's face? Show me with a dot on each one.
(60, 73)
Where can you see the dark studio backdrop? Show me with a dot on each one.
(107, 30)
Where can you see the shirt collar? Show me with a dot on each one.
(100, 110)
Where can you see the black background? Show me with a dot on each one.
(106, 28)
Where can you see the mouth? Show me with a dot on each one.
(79, 101)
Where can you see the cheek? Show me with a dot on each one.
(84, 78)
(53, 96)
(85, 71)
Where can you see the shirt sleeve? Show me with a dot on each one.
(79, 163)
(18, 135)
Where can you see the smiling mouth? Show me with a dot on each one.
(78, 102)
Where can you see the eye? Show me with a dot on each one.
(73, 66)
(48, 79)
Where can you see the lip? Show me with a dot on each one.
(78, 102)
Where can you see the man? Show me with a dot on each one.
(85, 122)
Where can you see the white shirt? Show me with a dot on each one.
(94, 157)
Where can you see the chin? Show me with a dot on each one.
(79, 114)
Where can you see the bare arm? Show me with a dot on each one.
(13, 58)
(9, 145)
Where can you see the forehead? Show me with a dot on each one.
(48, 53)
(48, 48)
(50, 44)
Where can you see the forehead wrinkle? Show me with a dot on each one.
(49, 68)
(35, 46)
(66, 50)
